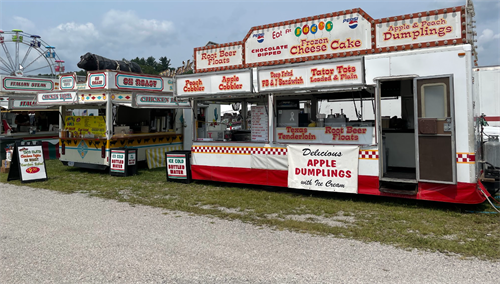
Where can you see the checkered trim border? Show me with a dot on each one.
(466, 158)
(368, 154)
(236, 150)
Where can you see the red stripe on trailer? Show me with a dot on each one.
(463, 193)
(492, 118)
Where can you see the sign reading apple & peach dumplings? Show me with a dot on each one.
(419, 30)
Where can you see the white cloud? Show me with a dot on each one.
(488, 51)
(23, 23)
(488, 35)
(125, 27)
(120, 34)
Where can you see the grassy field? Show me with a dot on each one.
(408, 224)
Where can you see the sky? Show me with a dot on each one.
(129, 29)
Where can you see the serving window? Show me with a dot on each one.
(243, 120)
(334, 118)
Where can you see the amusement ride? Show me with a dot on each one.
(27, 55)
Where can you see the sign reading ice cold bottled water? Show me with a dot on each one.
(176, 166)
(117, 161)
(324, 168)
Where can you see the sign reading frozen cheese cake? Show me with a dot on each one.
(322, 36)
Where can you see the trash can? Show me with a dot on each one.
(123, 162)
(178, 166)
(4, 143)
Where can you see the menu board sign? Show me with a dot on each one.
(26, 84)
(68, 82)
(260, 123)
(349, 72)
(158, 101)
(27, 103)
(218, 57)
(316, 37)
(353, 135)
(81, 126)
(28, 163)
(224, 83)
(413, 31)
(138, 82)
(323, 168)
(57, 98)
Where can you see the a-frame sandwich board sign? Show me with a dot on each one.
(28, 162)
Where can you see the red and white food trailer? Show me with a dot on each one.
(342, 102)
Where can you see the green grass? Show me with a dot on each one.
(403, 223)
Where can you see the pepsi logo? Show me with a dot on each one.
(353, 24)
(260, 38)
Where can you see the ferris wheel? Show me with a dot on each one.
(23, 54)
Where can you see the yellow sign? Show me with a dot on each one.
(84, 125)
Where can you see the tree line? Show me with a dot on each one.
(149, 65)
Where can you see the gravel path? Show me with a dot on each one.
(48, 237)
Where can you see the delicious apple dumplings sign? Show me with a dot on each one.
(323, 168)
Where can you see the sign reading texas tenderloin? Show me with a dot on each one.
(420, 30)
(315, 37)
(224, 83)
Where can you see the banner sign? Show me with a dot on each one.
(419, 30)
(26, 84)
(57, 98)
(352, 135)
(226, 83)
(218, 57)
(68, 82)
(323, 168)
(28, 162)
(97, 80)
(157, 101)
(138, 82)
(322, 36)
(325, 75)
(25, 104)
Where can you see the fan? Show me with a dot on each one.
(236, 106)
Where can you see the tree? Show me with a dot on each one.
(164, 63)
(151, 66)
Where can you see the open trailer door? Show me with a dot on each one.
(435, 125)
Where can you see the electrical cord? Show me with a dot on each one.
(489, 201)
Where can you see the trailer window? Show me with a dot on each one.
(434, 101)
(242, 121)
(336, 118)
